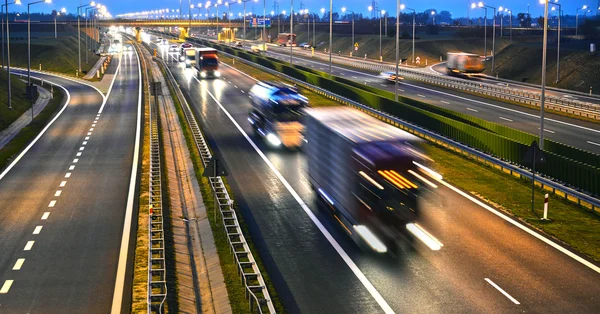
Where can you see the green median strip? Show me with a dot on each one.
(569, 223)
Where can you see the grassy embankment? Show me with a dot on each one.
(235, 290)
(29, 132)
(579, 68)
(19, 103)
(55, 55)
(570, 223)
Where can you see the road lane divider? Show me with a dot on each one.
(18, 264)
(502, 291)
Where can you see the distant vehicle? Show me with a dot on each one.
(366, 171)
(207, 63)
(277, 114)
(173, 48)
(164, 42)
(238, 44)
(189, 57)
(390, 76)
(159, 39)
(460, 62)
(258, 48)
(286, 39)
(305, 45)
(182, 47)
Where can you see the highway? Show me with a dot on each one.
(574, 132)
(67, 203)
(488, 263)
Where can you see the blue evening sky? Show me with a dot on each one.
(458, 8)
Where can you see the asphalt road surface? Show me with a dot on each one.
(63, 204)
(487, 263)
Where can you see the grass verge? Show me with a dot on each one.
(29, 132)
(18, 101)
(572, 224)
(235, 290)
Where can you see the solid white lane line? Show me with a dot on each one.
(19, 264)
(78, 154)
(76, 160)
(527, 230)
(503, 118)
(63, 183)
(37, 229)
(123, 252)
(549, 131)
(502, 291)
(421, 95)
(444, 102)
(29, 245)
(58, 193)
(353, 267)
(45, 215)
(471, 109)
(6, 286)
(593, 143)
(68, 175)
(52, 203)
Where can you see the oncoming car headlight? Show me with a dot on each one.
(272, 138)
(187, 61)
(217, 74)
(203, 74)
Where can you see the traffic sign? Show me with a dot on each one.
(356, 44)
(418, 60)
(260, 22)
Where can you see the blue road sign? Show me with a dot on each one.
(259, 22)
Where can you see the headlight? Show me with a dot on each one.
(203, 74)
(272, 138)
(187, 61)
(217, 74)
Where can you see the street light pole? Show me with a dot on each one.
(577, 19)
(543, 96)
(292, 33)
(330, 36)
(29, 48)
(510, 21)
(558, 45)
(8, 53)
(380, 13)
(397, 48)
(79, 33)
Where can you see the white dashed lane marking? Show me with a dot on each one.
(45, 215)
(52, 203)
(68, 175)
(444, 102)
(421, 95)
(78, 154)
(6, 286)
(29, 245)
(75, 160)
(19, 264)
(471, 109)
(593, 143)
(58, 193)
(63, 183)
(71, 167)
(81, 148)
(505, 119)
(37, 229)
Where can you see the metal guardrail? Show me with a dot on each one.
(575, 107)
(246, 264)
(157, 285)
(515, 170)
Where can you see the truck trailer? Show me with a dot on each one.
(462, 63)
(366, 171)
(207, 63)
(277, 114)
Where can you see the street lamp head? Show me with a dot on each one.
(432, 12)
(402, 7)
(18, 2)
(370, 8)
(480, 4)
(63, 10)
(343, 9)
(47, 1)
(382, 12)
(473, 5)
(93, 3)
(322, 10)
(584, 7)
(500, 9)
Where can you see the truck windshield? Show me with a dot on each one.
(288, 113)
(209, 62)
(191, 58)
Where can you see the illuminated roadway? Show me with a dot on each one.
(63, 204)
(312, 273)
